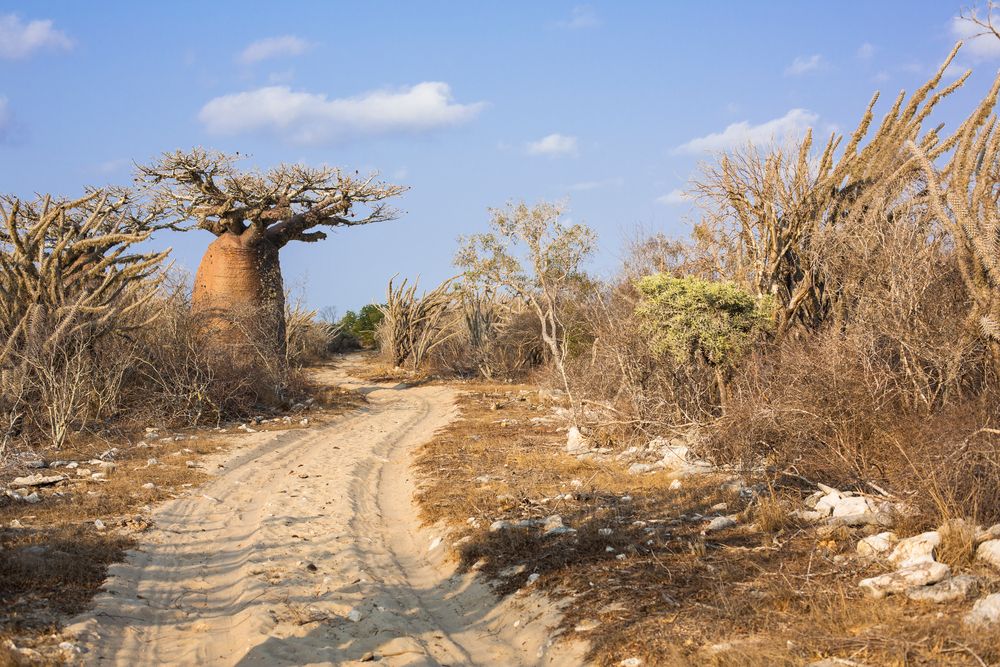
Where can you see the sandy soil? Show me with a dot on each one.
(306, 550)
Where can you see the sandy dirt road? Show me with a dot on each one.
(306, 550)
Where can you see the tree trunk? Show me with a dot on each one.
(239, 295)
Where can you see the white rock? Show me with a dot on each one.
(149, 485)
(639, 468)
(32, 498)
(37, 480)
(986, 612)
(826, 503)
(533, 577)
(720, 523)
(554, 526)
(675, 485)
(575, 442)
(876, 544)
(354, 615)
(811, 516)
(500, 524)
(604, 531)
(630, 662)
(852, 506)
(920, 574)
(99, 525)
(949, 590)
(991, 533)
(989, 552)
(916, 549)
(434, 544)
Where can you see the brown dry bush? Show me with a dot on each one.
(628, 391)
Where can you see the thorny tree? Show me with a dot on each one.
(69, 275)
(772, 211)
(552, 264)
(253, 215)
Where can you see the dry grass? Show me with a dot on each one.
(777, 594)
(39, 590)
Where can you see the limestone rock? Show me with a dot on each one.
(920, 574)
(37, 480)
(986, 612)
(876, 544)
(575, 442)
(720, 523)
(949, 590)
(989, 552)
(916, 549)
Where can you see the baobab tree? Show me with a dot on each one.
(238, 286)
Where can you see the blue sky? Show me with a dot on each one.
(609, 105)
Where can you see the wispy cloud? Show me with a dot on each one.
(553, 145)
(865, 51)
(273, 47)
(804, 64)
(19, 39)
(302, 117)
(583, 16)
(6, 120)
(584, 186)
(978, 46)
(675, 197)
(792, 125)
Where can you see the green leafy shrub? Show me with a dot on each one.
(694, 319)
(357, 329)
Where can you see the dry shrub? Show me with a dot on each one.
(497, 337)
(629, 391)
(411, 326)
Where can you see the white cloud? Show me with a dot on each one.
(792, 125)
(311, 117)
(866, 51)
(675, 197)
(20, 40)
(584, 186)
(803, 64)
(583, 16)
(553, 145)
(273, 47)
(977, 45)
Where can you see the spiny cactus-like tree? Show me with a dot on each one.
(70, 265)
(966, 196)
(770, 209)
(412, 326)
(253, 215)
(69, 274)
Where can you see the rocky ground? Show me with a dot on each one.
(662, 559)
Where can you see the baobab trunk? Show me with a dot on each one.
(239, 295)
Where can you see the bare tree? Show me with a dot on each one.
(254, 214)
(984, 22)
(551, 263)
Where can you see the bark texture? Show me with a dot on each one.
(239, 294)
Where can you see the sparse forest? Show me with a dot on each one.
(772, 441)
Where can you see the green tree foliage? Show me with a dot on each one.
(690, 318)
(361, 325)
